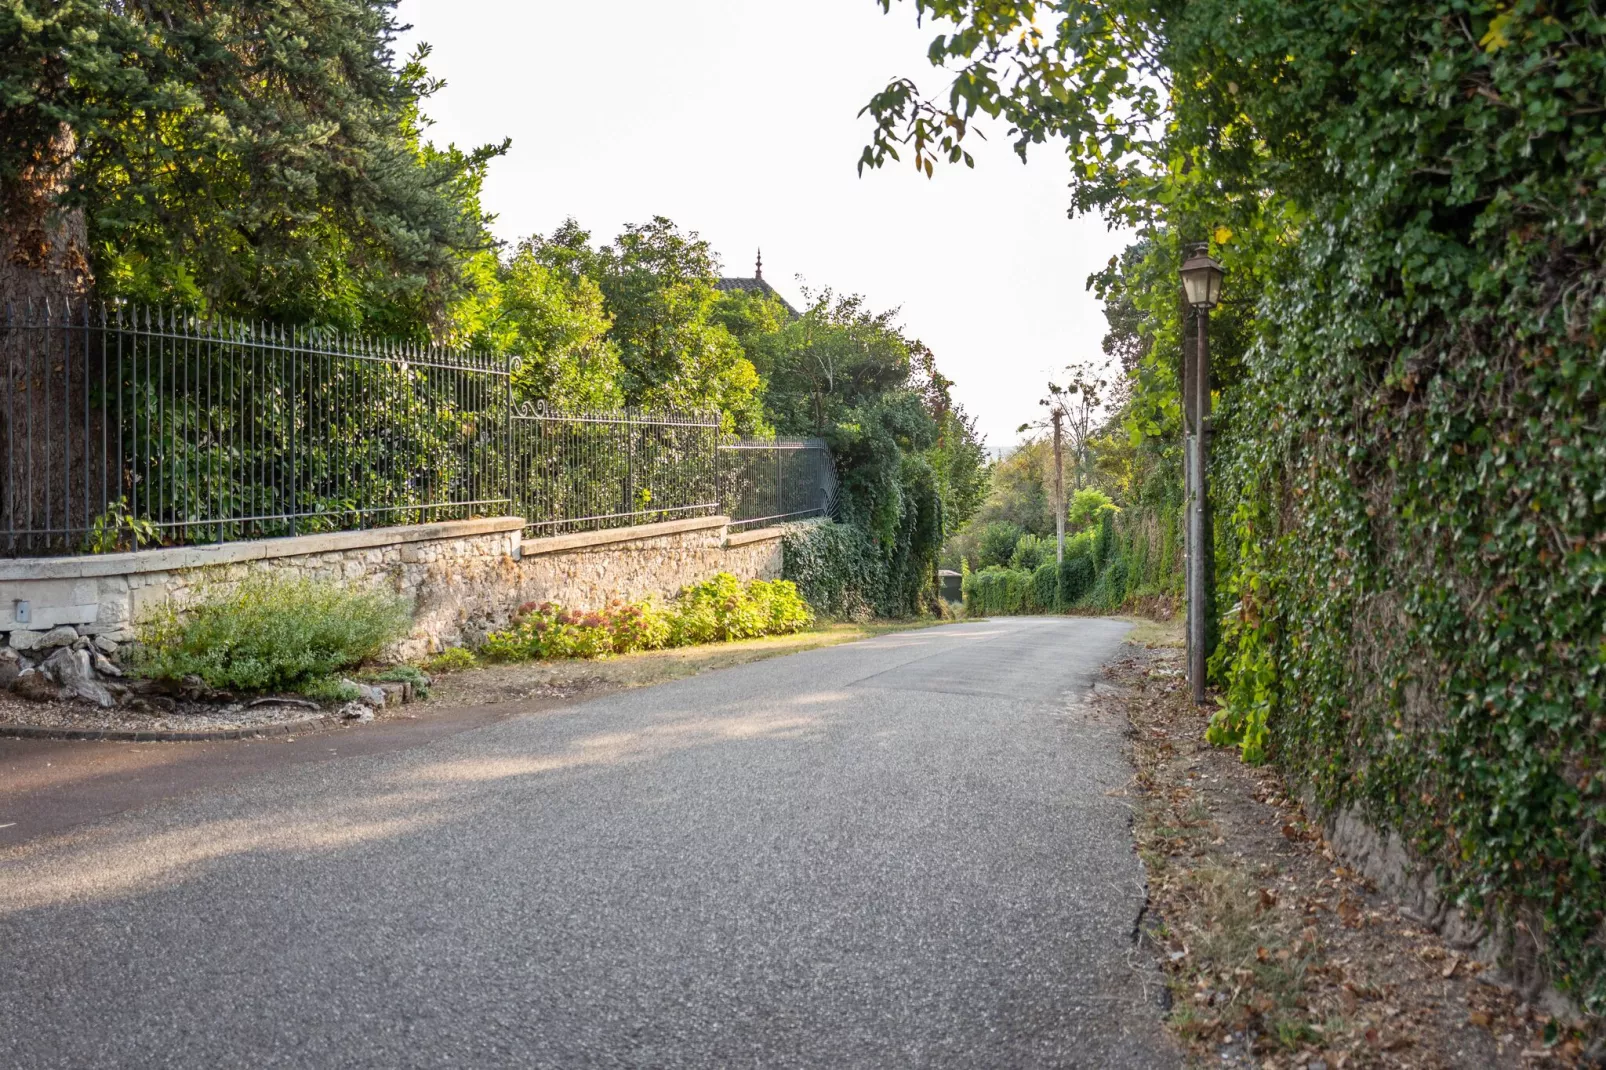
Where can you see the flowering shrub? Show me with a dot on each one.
(547, 630)
(717, 610)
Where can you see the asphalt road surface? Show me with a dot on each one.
(909, 851)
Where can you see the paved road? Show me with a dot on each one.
(900, 852)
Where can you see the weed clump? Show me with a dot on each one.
(455, 659)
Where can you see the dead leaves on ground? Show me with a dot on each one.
(1276, 954)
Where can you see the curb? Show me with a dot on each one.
(121, 735)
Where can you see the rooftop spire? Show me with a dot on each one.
(758, 269)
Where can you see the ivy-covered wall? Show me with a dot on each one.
(1412, 521)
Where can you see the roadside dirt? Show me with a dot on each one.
(1276, 955)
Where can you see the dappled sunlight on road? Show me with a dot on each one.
(613, 747)
(107, 863)
(820, 698)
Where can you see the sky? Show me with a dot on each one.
(739, 119)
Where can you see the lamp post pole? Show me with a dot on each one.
(1201, 281)
(1203, 535)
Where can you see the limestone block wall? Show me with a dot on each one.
(462, 578)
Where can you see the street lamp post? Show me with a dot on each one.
(1201, 284)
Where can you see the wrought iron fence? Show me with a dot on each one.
(771, 482)
(136, 427)
(583, 471)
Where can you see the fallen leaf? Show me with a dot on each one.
(1479, 1018)
(1449, 969)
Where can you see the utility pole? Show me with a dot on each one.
(1058, 413)
(1201, 282)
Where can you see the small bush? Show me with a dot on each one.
(455, 659)
(1030, 552)
(784, 608)
(405, 674)
(997, 544)
(329, 689)
(716, 611)
(269, 634)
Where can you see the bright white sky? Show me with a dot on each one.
(738, 119)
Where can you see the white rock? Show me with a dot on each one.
(66, 635)
(22, 639)
(103, 665)
(368, 694)
(72, 670)
(105, 646)
(356, 711)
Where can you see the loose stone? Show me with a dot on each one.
(66, 635)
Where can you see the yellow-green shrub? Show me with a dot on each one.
(716, 610)
(269, 633)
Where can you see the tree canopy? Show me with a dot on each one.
(254, 159)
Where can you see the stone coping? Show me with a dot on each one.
(173, 558)
(743, 538)
(578, 540)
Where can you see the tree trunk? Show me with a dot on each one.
(43, 247)
(52, 438)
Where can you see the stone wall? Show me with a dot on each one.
(463, 578)
(585, 570)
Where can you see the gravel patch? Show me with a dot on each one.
(187, 717)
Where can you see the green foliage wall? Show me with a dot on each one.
(837, 568)
(1412, 495)
(1104, 571)
(996, 590)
